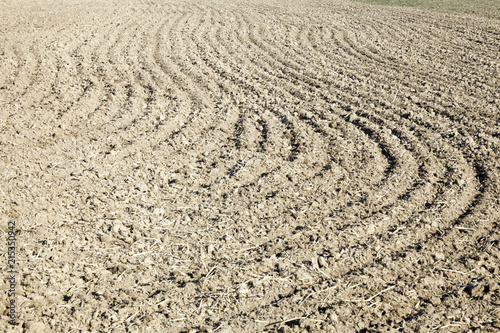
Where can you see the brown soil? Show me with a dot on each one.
(249, 166)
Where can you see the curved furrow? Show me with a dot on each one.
(389, 84)
(73, 86)
(230, 89)
(115, 79)
(250, 166)
(295, 69)
(167, 50)
(159, 85)
(226, 51)
(85, 92)
(91, 102)
(404, 206)
(225, 119)
(149, 92)
(247, 84)
(328, 48)
(138, 90)
(47, 52)
(28, 64)
(395, 126)
(436, 80)
(35, 117)
(156, 90)
(143, 94)
(459, 144)
(356, 261)
(447, 227)
(10, 68)
(400, 97)
(208, 81)
(446, 235)
(439, 58)
(152, 136)
(66, 67)
(396, 77)
(298, 91)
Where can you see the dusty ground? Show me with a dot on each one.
(249, 166)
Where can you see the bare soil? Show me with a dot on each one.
(246, 166)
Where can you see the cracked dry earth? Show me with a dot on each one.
(292, 166)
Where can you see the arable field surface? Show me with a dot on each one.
(487, 8)
(248, 166)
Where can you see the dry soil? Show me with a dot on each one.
(245, 166)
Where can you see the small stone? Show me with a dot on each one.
(315, 263)
(322, 262)
(439, 256)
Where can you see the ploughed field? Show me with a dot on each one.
(249, 166)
